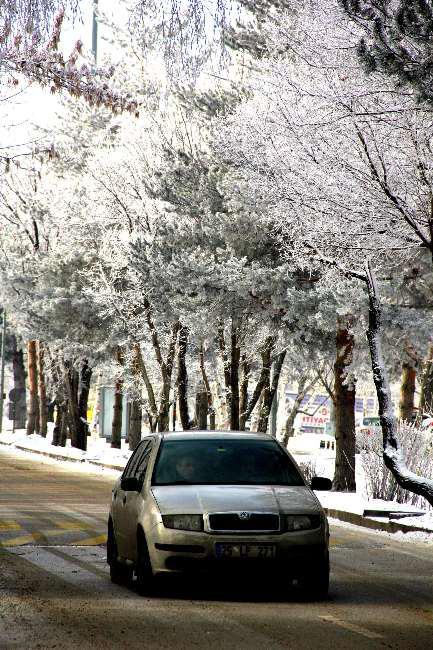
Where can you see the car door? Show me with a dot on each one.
(132, 500)
(120, 499)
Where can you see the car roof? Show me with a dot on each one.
(214, 435)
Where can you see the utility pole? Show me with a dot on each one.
(95, 31)
(2, 369)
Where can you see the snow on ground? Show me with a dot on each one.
(322, 459)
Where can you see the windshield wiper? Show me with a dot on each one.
(182, 482)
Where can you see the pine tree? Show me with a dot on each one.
(398, 40)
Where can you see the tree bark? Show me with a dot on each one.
(234, 376)
(243, 392)
(269, 392)
(407, 392)
(116, 427)
(83, 399)
(72, 380)
(182, 379)
(426, 396)
(263, 379)
(59, 432)
(289, 430)
(166, 372)
(392, 453)
(43, 407)
(211, 409)
(19, 374)
(201, 406)
(33, 405)
(135, 419)
(226, 372)
(139, 362)
(344, 401)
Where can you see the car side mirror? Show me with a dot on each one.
(130, 484)
(321, 483)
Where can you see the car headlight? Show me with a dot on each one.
(302, 522)
(183, 522)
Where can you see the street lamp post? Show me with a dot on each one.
(95, 31)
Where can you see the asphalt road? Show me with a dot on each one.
(55, 591)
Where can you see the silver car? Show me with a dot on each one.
(198, 501)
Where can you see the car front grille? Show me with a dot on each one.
(244, 522)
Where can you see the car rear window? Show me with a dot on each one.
(224, 462)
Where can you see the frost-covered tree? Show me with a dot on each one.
(397, 40)
(341, 162)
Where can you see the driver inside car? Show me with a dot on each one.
(186, 468)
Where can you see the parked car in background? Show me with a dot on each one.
(209, 501)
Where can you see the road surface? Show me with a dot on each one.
(55, 591)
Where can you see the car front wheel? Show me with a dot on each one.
(119, 573)
(143, 569)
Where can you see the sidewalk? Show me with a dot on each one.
(350, 508)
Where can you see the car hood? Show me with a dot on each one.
(201, 499)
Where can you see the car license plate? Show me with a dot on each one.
(262, 551)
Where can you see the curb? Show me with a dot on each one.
(341, 515)
(70, 459)
(366, 522)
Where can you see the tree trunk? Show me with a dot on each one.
(135, 419)
(33, 388)
(289, 428)
(263, 379)
(392, 453)
(211, 409)
(344, 399)
(234, 377)
(166, 372)
(64, 425)
(226, 372)
(182, 379)
(72, 380)
(407, 392)
(426, 396)
(243, 392)
(116, 427)
(58, 425)
(174, 412)
(83, 400)
(19, 373)
(201, 407)
(140, 366)
(43, 407)
(303, 389)
(269, 393)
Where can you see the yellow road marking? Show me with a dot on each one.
(9, 525)
(352, 627)
(55, 532)
(23, 539)
(71, 525)
(90, 541)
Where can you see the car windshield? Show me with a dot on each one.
(224, 462)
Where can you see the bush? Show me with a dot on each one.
(308, 470)
(418, 452)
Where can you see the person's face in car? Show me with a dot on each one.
(185, 468)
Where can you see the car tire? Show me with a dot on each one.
(119, 573)
(143, 568)
(315, 583)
